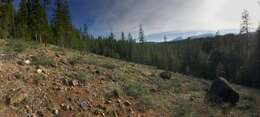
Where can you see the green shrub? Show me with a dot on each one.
(78, 76)
(139, 92)
(247, 103)
(115, 91)
(145, 101)
(91, 62)
(136, 90)
(75, 60)
(109, 66)
(39, 77)
(81, 77)
(42, 60)
(57, 49)
(16, 46)
(183, 110)
(167, 84)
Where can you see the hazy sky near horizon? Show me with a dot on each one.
(162, 15)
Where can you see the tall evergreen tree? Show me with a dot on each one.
(141, 34)
(165, 38)
(244, 29)
(255, 64)
(22, 20)
(1, 17)
(85, 30)
(7, 20)
(111, 36)
(46, 3)
(122, 36)
(38, 22)
(130, 37)
(61, 23)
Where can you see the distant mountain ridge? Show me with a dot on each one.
(181, 35)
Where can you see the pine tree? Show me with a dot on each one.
(111, 36)
(85, 30)
(46, 3)
(57, 26)
(141, 34)
(122, 36)
(245, 22)
(38, 22)
(255, 64)
(1, 18)
(130, 37)
(61, 23)
(245, 29)
(22, 20)
(7, 20)
(164, 38)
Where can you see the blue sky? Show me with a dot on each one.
(159, 16)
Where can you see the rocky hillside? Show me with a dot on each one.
(38, 81)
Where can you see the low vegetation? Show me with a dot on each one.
(136, 90)
(42, 60)
(234, 57)
(142, 94)
(183, 110)
(107, 87)
(80, 76)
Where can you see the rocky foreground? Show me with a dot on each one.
(38, 81)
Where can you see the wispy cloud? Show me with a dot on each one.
(164, 15)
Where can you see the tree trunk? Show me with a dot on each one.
(40, 37)
(36, 37)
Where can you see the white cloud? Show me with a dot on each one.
(168, 15)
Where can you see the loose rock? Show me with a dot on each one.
(27, 62)
(127, 103)
(221, 91)
(55, 111)
(39, 71)
(74, 82)
(83, 105)
(166, 75)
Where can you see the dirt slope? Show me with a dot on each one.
(38, 81)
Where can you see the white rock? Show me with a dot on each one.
(27, 62)
(39, 71)
(56, 112)
(75, 82)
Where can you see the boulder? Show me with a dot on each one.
(221, 91)
(165, 75)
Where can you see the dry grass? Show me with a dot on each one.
(150, 96)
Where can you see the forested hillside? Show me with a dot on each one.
(234, 57)
(49, 67)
